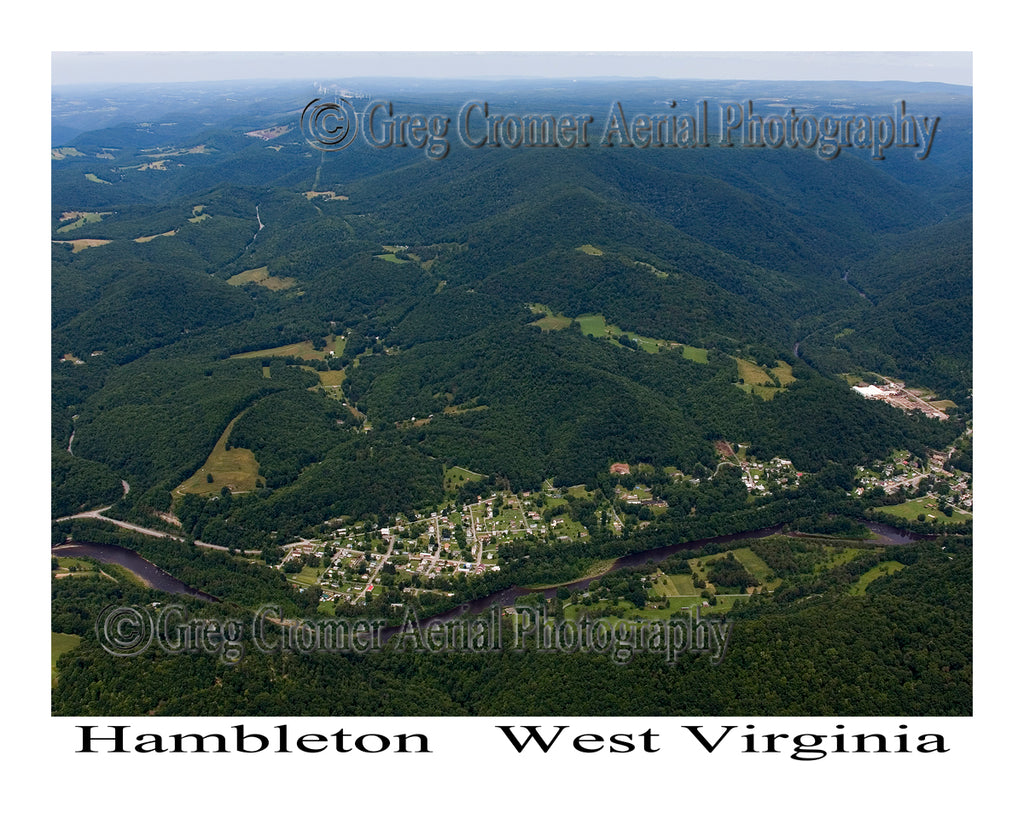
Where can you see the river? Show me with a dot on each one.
(157, 578)
(883, 534)
(149, 573)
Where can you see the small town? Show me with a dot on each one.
(357, 561)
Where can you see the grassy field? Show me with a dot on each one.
(391, 257)
(235, 468)
(724, 604)
(784, 372)
(884, 568)
(307, 577)
(553, 322)
(93, 178)
(594, 324)
(679, 585)
(81, 218)
(331, 378)
(78, 245)
(756, 566)
(549, 320)
(198, 215)
(262, 277)
(303, 349)
(590, 250)
(144, 239)
(455, 476)
(329, 196)
(751, 373)
(929, 507)
(60, 644)
(758, 380)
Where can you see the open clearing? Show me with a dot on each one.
(81, 218)
(590, 250)
(552, 323)
(756, 566)
(391, 257)
(927, 506)
(875, 572)
(329, 196)
(93, 178)
(144, 239)
(331, 378)
(758, 379)
(198, 215)
(197, 149)
(78, 245)
(594, 325)
(235, 468)
(549, 321)
(455, 476)
(269, 133)
(328, 378)
(307, 576)
(262, 277)
(60, 644)
(303, 349)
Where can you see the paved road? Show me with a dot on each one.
(379, 564)
(97, 514)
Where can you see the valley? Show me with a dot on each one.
(368, 382)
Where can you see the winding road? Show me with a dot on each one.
(97, 514)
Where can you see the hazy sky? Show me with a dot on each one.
(181, 66)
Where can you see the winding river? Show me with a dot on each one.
(149, 573)
(157, 578)
(883, 534)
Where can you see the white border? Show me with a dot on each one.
(478, 776)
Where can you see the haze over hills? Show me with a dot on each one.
(267, 342)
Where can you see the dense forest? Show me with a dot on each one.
(904, 648)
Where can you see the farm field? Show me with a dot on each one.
(235, 468)
(758, 379)
(927, 506)
(78, 245)
(80, 219)
(594, 325)
(262, 277)
(302, 349)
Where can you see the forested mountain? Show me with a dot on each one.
(258, 337)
